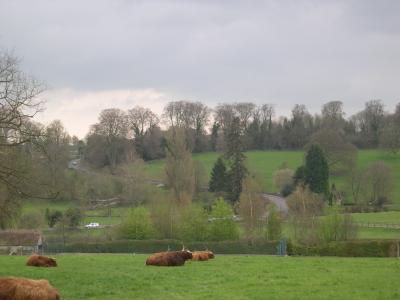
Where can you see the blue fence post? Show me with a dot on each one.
(281, 247)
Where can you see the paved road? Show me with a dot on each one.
(279, 201)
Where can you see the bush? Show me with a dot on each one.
(274, 224)
(52, 217)
(74, 216)
(193, 224)
(222, 226)
(335, 226)
(137, 225)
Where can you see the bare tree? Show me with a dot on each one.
(224, 114)
(300, 126)
(173, 114)
(193, 117)
(304, 209)
(113, 126)
(378, 185)
(368, 123)
(53, 150)
(141, 119)
(19, 103)
(244, 110)
(251, 207)
(179, 168)
(341, 155)
(390, 137)
(333, 115)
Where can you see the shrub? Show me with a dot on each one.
(74, 216)
(222, 225)
(137, 225)
(52, 217)
(274, 224)
(335, 226)
(193, 224)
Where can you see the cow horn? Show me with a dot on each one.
(183, 247)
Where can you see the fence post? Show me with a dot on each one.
(281, 247)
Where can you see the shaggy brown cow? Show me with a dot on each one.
(170, 258)
(210, 254)
(26, 289)
(41, 261)
(202, 255)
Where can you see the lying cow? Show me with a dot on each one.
(41, 261)
(202, 255)
(169, 258)
(26, 289)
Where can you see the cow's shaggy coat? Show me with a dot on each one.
(41, 261)
(202, 255)
(170, 258)
(26, 289)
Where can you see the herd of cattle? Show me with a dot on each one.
(12, 288)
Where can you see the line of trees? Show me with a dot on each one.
(119, 134)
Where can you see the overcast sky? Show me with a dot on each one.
(101, 54)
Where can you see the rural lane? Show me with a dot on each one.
(279, 201)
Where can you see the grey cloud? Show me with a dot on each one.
(283, 52)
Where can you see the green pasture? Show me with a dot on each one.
(226, 277)
(378, 233)
(387, 217)
(265, 163)
(380, 218)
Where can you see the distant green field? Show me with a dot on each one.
(41, 205)
(388, 217)
(265, 163)
(226, 277)
(378, 233)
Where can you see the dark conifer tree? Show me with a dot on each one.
(317, 170)
(218, 181)
(235, 157)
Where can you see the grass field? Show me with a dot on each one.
(226, 277)
(388, 217)
(265, 163)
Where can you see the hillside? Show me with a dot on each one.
(265, 163)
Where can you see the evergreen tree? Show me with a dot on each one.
(299, 176)
(317, 170)
(214, 136)
(218, 181)
(235, 157)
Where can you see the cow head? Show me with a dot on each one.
(52, 262)
(185, 253)
(210, 254)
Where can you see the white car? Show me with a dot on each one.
(92, 225)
